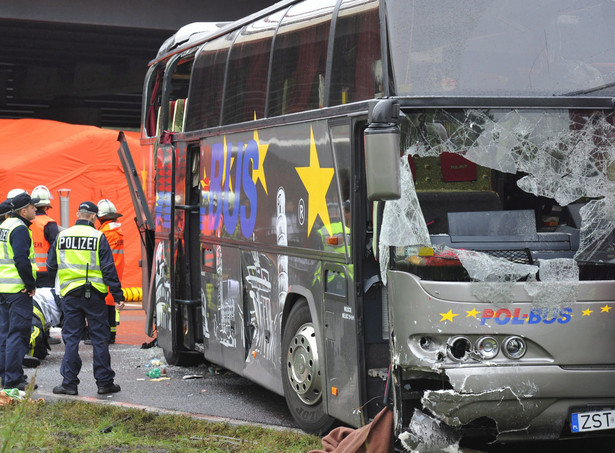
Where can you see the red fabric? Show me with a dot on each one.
(81, 158)
(376, 437)
(115, 237)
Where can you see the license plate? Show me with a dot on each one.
(592, 421)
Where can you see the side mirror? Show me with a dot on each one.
(382, 152)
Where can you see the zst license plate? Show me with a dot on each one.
(592, 421)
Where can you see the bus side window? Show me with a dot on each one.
(205, 95)
(357, 64)
(299, 60)
(153, 98)
(246, 84)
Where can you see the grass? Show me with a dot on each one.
(75, 426)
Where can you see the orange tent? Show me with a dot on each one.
(80, 158)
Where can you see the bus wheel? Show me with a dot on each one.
(182, 358)
(301, 372)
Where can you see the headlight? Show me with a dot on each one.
(458, 348)
(487, 347)
(514, 347)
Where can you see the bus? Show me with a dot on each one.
(361, 204)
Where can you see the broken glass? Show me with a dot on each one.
(541, 160)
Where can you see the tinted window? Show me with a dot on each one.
(357, 67)
(246, 85)
(502, 47)
(205, 97)
(153, 99)
(299, 59)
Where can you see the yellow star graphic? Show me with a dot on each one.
(472, 313)
(316, 181)
(587, 312)
(605, 309)
(448, 316)
(259, 174)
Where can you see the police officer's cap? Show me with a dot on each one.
(5, 207)
(21, 201)
(89, 207)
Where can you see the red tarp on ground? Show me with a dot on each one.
(80, 158)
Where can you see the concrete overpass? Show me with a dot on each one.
(84, 62)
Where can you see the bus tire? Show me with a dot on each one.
(302, 375)
(182, 358)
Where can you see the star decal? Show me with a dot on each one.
(259, 174)
(316, 181)
(605, 309)
(472, 313)
(448, 316)
(587, 312)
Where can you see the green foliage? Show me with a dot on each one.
(75, 426)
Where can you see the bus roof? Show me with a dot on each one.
(188, 35)
(199, 32)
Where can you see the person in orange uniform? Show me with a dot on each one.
(44, 231)
(107, 216)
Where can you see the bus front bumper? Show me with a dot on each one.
(525, 402)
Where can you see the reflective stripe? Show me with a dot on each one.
(33, 335)
(10, 280)
(39, 314)
(83, 267)
(117, 252)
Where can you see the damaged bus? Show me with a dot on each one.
(361, 203)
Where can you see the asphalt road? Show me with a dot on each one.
(218, 395)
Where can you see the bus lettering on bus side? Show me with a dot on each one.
(537, 315)
(238, 203)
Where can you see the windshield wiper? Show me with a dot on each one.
(589, 90)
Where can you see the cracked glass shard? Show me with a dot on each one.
(598, 231)
(403, 223)
(558, 285)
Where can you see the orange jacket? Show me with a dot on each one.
(41, 246)
(115, 236)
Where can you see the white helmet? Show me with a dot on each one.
(107, 210)
(14, 193)
(42, 193)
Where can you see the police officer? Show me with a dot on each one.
(82, 258)
(44, 232)
(17, 287)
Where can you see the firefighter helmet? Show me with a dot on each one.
(107, 210)
(14, 192)
(43, 194)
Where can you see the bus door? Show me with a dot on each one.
(186, 261)
(145, 224)
(341, 318)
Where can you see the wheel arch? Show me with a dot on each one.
(296, 293)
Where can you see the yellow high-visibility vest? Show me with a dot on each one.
(10, 281)
(78, 260)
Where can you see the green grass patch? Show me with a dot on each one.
(75, 426)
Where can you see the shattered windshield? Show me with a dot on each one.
(501, 47)
(494, 195)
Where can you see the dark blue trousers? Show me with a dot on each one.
(76, 311)
(15, 326)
